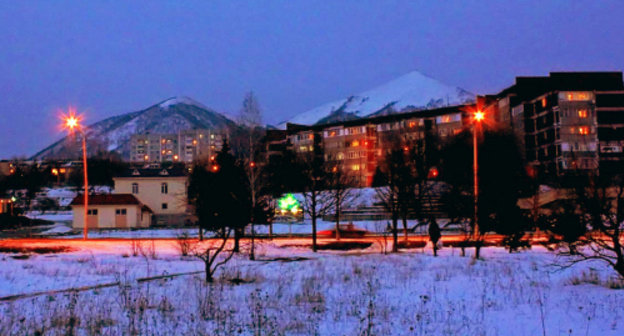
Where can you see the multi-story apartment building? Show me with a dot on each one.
(566, 121)
(185, 146)
(357, 146)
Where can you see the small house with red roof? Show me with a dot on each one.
(111, 211)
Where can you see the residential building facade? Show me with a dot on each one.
(111, 211)
(568, 121)
(185, 146)
(357, 146)
(164, 190)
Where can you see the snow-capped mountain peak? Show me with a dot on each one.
(113, 134)
(412, 91)
(180, 100)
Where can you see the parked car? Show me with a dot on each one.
(346, 231)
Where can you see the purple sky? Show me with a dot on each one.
(113, 57)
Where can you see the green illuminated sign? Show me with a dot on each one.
(288, 203)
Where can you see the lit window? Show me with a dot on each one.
(164, 188)
(544, 102)
(355, 167)
(412, 124)
(577, 96)
(135, 188)
(583, 130)
(582, 113)
(311, 136)
(355, 143)
(146, 157)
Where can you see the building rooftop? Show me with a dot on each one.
(529, 87)
(385, 118)
(154, 172)
(109, 199)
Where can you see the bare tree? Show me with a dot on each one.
(250, 113)
(210, 251)
(389, 182)
(313, 183)
(340, 193)
(257, 178)
(602, 204)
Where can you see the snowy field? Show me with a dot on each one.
(330, 293)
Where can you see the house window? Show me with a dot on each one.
(135, 188)
(92, 212)
(582, 113)
(164, 188)
(120, 212)
(583, 130)
(164, 206)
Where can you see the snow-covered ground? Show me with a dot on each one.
(330, 293)
(53, 216)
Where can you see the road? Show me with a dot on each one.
(114, 244)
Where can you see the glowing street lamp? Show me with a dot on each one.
(72, 124)
(478, 117)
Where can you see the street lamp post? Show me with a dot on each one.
(72, 123)
(478, 118)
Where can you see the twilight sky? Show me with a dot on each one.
(113, 57)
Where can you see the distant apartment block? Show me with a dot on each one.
(357, 146)
(185, 146)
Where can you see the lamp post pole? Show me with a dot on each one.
(72, 123)
(478, 117)
(475, 168)
(86, 186)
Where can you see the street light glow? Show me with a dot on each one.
(479, 116)
(71, 120)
